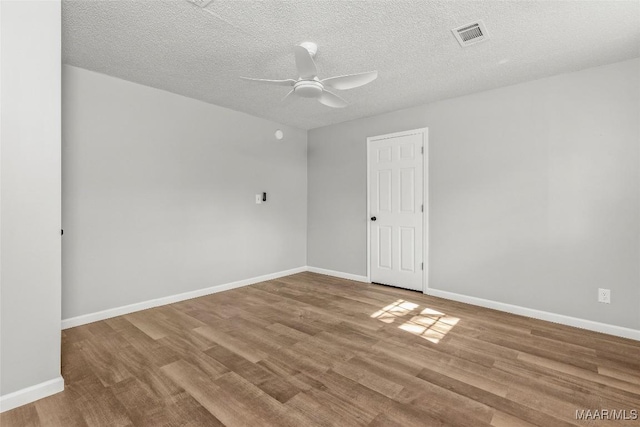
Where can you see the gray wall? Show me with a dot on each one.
(159, 194)
(534, 193)
(30, 194)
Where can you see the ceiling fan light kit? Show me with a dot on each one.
(308, 85)
(308, 89)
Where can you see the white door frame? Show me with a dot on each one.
(425, 197)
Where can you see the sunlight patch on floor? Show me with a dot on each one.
(428, 323)
(395, 310)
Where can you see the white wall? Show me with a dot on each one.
(159, 194)
(534, 193)
(30, 200)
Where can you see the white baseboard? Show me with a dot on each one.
(605, 328)
(619, 331)
(339, 274)
(31, 394)
(126, 309)
(509, 308)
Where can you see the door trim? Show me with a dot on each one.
(425, 197)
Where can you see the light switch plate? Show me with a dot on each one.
(258, 199)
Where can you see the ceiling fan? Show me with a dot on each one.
(308, 85)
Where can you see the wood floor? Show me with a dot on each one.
(311, 350)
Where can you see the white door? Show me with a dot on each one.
(395, 164)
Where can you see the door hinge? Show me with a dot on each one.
(423, 265)
(422, 149)
(421, 208)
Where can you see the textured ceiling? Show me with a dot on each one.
(200, 53)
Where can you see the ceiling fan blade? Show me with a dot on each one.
(304, 63)
(287, 82)
(350, 81)
(330, 99)
(288, 97)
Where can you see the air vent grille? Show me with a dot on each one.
(471, 33)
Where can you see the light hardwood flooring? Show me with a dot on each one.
(311, 350)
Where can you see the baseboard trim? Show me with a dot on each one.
(619, 331)
(604, 328)
(126, 309)
(31, 394)
(339, 274)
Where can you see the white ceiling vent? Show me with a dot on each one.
(472, 33)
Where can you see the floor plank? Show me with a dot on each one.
(314, 350)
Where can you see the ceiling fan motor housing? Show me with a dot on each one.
(308, 88)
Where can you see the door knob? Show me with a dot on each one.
(373, 218)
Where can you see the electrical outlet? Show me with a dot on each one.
(604, 295)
